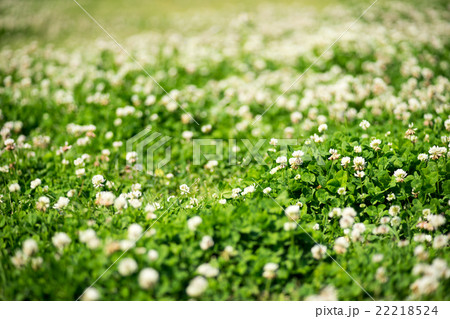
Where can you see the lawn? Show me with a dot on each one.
(198, 150)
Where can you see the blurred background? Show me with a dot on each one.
(62, 22)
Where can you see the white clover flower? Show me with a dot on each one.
(364, 125)
(126, 244)
(229, 251)
(36, 262)
(184, 189)
(60, 240)
(275, 169)
(447, 124)
(87, 235)
(222, 201)
(117, 144)
(206, 128)
(270, 270)
(394, 210)
(317, 139)
(349, 211)
(152, 255)
(295, 162)
(131, 157)
(426, 212)
(341, 191)
(127, 266)
(380, 275)
(134, 194)
(377, 258)
(316, 227)
(422, 157)
(400, 175)
(322, 128)
(437, 152)
(211, 164)
(248, 190)
(289, 226)
(35, 183)
(340, 245)
(273, 142)
(390, 197)
(78, 162)
(267, 190)
(152, 207)
(135, 203)
(396, 221)
(187, 135)
(436, 220)
(345, 161)
(296, 117)
(293, 212)
(334, 154)
(420, 238)
(335, 212)
(148, 277)
(380, 230)
(136, 187)
(43, 203)
(346, 222)
(4, 169)
(357, 149)
(359, 163)
(19, 259)
(98, 180)
(425, 285)
(14, 188)
(235, 192)
(80, 172)
(375, 144)
(9, 144)
(206, 242)
(298, 154)
(197, 287)
(282, 160)
(61, 203)
(207, 270)
(105, 198)
(120, 203)
(359, 227)
(440, 241)
(318, 251)
(134, 231)
(194, 222)
(360, 174)
(91, 294)
(420, 252)
(29, 247)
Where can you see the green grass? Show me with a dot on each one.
(63, 23)
(224, 69)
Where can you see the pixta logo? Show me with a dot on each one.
(144, 150)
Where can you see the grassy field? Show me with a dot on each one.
(63, 23)
(231, 152)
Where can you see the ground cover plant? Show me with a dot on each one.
(332, 184)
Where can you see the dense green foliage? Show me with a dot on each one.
(380, 94)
